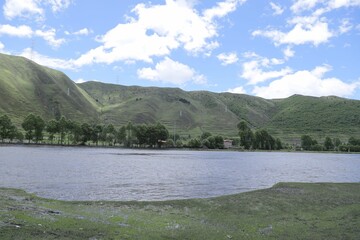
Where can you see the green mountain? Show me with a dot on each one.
(28, 87)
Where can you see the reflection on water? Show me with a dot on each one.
(116, 174)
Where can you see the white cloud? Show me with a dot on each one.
(24, 31)
(278, 10)
(302, 5)
(312, 33)
(312, 29)
(20, 31)
(311, 83)
(32, 8)
(157, 30)
(222, 9)
(47, 61)
(238, 90)
(58, 5)
(81, 32)
(170, 71)
(228, 58)
(50, 37)
(2, 48)
(253, 71)
(288, 52)
(21, 8)
(345, 26)
(84, 31)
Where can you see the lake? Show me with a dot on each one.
(80, 173)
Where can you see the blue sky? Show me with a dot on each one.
(271, 49)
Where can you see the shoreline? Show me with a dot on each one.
(284, 211)
(167, 149)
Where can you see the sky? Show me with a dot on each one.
(271, 49)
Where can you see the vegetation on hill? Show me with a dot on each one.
(285, 211)
(26, 87)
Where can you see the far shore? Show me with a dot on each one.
(233, 149)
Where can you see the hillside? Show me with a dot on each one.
(187, 112)
(26, 87)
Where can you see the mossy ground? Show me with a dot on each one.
(285, 211)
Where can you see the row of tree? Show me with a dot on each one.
(310, 144)
(261, 139)
(65, 131)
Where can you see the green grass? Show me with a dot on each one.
(285, 211)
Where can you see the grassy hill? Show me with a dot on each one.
(26, 87)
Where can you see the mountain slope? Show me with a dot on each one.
(26, 87)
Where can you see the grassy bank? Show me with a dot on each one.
(285, 211)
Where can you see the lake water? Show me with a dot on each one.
(70, 173)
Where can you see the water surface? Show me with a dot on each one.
(70, 173)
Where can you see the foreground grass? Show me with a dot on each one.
(285, 211)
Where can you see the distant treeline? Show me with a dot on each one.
(67, 132)
(310, 144)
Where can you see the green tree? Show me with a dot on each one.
(86, 133)
(129, 134)
(307, 142)
(246, 135)
(110, 134)
(278, 144)
(96, 131)
(205, 135)
(6, 127)
(194, 143)
(62, 128)
(29, 126)
(39, 128)
(263, 140)
(121, 135)
(141, 133)
(52, 128)
(75, 132)
(328, 144)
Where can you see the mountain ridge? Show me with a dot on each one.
(26, 86)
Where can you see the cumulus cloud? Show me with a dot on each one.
(253, 70)
(50, 37)
(311, 83)
(278, 10)
(32, 8)
(170, 71)
(48, 61)
(313, 28)
(228, 58)
(157, 30)
(24, 31)
(20, 31)
(324, 6)
(288, 52)
(302, 33)
(238, 90)
(222, 9)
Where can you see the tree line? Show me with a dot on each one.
(67, 132)
(335, 144)
(260, 139)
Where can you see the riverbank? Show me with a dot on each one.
(285, 211)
